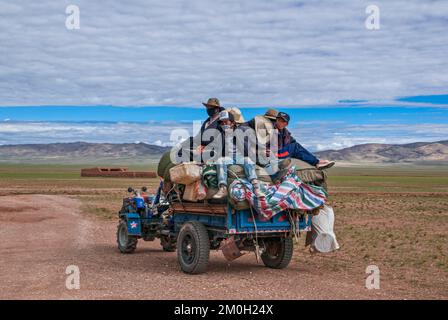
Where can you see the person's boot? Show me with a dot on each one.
(221, 193)
(257, 189)
(325, 164)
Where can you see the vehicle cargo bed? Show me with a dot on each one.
(200, 208)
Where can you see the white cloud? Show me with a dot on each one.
(327, 135)
(245, 52)
(50, 132)
(338, 136)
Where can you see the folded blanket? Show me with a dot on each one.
(288, 193)
(209, 177)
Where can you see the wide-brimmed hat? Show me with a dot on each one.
(271, 114)
(212, 103)
(237, 115)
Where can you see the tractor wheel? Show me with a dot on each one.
(193, 247)
(167, 244)
(278, 253)
(126, 243)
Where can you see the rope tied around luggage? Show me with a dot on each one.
(257, 246)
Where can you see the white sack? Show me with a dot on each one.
(324, 239)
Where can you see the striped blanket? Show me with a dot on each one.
(288, 193)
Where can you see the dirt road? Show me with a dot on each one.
(40, 235)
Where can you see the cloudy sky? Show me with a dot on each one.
(314, 55)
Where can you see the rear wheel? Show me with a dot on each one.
(278, 252)
(193, 247)
(126, 243)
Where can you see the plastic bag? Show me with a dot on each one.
(201, 190)
(186, 173)
(324, 238)
(194, 192)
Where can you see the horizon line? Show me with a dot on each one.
(155, 145)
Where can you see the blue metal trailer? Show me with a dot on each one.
(195, 228)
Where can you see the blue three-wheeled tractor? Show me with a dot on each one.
(195, 228)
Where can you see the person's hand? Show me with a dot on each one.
(200, 148)
(268, 152)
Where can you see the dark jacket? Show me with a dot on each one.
(213, 126)
(285, 138)
(191, 145)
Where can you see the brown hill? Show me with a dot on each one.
(418, 152)
(79, 152)
(391, 153)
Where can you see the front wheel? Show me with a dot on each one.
(126, 243)
(278, 253)
(193, 247)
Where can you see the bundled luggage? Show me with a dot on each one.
(186, 173)
(201, 181)
(194, 192)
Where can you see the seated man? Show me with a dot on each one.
(264, 132)
(288, 147)
(231, 155)
(192, 148)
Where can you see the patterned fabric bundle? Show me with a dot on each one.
(288, 193)
(209, 177)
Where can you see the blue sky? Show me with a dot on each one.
(318, 128)
(356, 114)
(156, 61)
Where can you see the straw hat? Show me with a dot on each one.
(271, 114)
(236, 113)
(212, 103)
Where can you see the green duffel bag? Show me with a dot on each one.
(165, 164)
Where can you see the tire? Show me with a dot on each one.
(278, 253)
(193, 248)
(167, 244)
(126, 243)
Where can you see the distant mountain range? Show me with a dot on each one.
(83, 152)
(417, 152)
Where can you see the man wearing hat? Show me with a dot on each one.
(192, 149)
(203, 139)
(263, 127)
(213, 108)
(288, 147)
